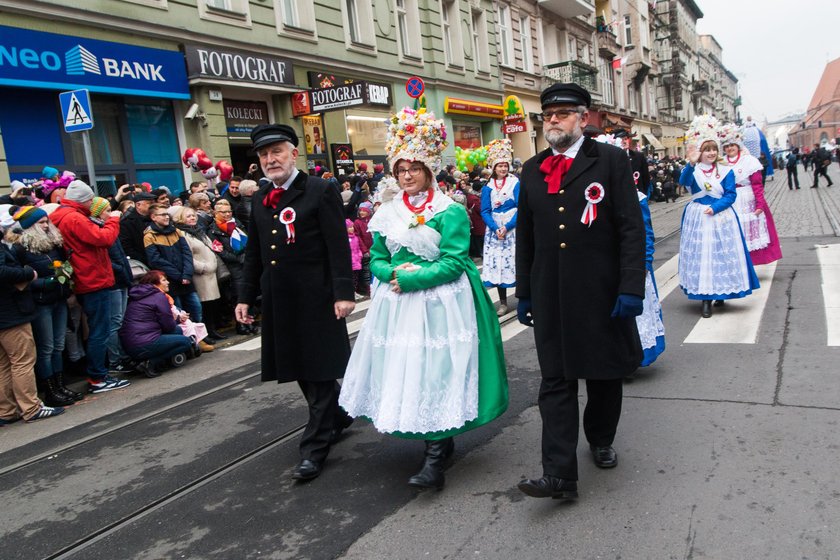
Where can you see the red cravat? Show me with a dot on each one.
(272, 198)
(555, 168)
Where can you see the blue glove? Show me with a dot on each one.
(627, 306)
(523, 312)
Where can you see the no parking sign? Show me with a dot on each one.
(415, 87)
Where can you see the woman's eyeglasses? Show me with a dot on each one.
(413, 171)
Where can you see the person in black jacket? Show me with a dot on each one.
(134, 224)
(580, 273)
(638, 163)
(18, 392)
(821, 159)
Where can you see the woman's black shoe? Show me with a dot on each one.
(211, 333)
(718, 303)
(54, 397)
(242, 329)
(707, 308)
(66, 391)
(438, 453)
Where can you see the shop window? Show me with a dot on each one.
(467, 136)
(151, 128)
(105, 137)
(367, 133)
(295, 17)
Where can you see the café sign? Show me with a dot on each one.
(514, 116)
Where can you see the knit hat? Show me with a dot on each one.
(28, 216)
(6, 220)
(16, 186)
(49, 172)
(415, 136)
(98, 205)
(703, 128)
(348, 223)
(499, 151)
(366, 206)
(49, 207)
(78, 191)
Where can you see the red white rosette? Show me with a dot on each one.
(287, 218)
(593, 194)
(636, 176)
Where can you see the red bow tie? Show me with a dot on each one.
(555, 168)
(272, 198)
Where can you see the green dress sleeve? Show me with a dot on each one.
(380, 259)
(453, 224)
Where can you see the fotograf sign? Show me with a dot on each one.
(36, 59)
(349, 95)
(238, 66)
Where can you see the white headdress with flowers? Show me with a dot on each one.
(499, 151)
(608, 139)
(702, 129)
(730, 133)
(416, 136)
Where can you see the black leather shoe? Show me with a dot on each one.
(307, 470)
(437, 458)
(718, 303)
(549, 487)
(605, 457)
(340, 426)
(707, 309)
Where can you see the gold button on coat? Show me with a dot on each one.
(562, 226)
(561, 209)
(274, 231)
(562, 245)
(273, 263)
(273, 247)
(562, 192)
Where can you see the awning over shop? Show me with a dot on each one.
(653, 141)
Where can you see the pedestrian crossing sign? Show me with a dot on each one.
(76, 111)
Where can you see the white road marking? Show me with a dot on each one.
(738, 321)
(666, 277)
(829, 256)
(512, 329)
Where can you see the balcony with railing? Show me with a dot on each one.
(571, 71)
(607, 42)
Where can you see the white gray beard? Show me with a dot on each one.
(561, 141)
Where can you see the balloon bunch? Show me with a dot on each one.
(198, 160)
(468, 159)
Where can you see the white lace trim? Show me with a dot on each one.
(398, 225)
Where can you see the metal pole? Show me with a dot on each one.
(89, 161)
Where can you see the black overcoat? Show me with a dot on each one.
(638, 162)
(300, 282)
(574, 273)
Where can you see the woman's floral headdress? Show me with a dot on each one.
(499, 151)
(731, 134)
(416, 136)
(702, 129)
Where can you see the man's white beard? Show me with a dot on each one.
(560, 140)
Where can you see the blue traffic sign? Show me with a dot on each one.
(76, 110)
(415, 87)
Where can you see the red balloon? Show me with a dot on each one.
(210, 173)
(203, 162)
(225, 170)
(192, 156)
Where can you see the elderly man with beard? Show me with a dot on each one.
(580, 280)
(298, 258)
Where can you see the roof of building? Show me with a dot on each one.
(828, 88)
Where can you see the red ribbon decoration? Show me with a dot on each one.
(272, 198)
(287, 218)
(555, 168)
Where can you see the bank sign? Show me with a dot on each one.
(36, 59)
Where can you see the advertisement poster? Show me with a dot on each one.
(343, 158)
(467, 137)
(313, 135)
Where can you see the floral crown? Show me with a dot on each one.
(730, 134)
(499, 151)
(702, 129)
(416, 136)
(608, 139)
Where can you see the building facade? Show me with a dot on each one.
(821, 123)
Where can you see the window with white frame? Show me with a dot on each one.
(628, 31)
(505, 36)
(295, 16)
(527, 44)
(358, 19)
(644, 37)
(605, 76)
(453, 44)
(571, 53)
(631, 96)
(234, 12)
(481, 52)
(407, 14)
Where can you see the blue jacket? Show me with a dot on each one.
(169, 252)
(17, 305)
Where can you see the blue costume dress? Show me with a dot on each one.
(714, 260)
(649, 323)
(498, 208)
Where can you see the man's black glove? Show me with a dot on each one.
(523, 312)
(627, 306)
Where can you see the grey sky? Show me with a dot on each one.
(778, 49)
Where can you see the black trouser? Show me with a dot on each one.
(324, 415)
(793, 177)
(558, 402)
(820, 170)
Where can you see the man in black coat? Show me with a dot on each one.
(821, 159)
(580, 280)
(638, 162)
(134, 224)
(298, 257)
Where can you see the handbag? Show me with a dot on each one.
(222, 271)
(138, 269)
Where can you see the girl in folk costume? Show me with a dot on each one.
(750, 204)
(428, 362)
(649, 323)
(714, 260)
(499, 198)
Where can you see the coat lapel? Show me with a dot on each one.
(586, 158)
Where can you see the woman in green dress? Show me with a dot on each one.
(428, 362)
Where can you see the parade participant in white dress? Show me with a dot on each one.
(714, 260)
(649, 323)
(428, 362)
(751, 206)
(499, 198)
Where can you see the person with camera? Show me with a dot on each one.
(133, 225)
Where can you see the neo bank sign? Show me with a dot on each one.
(36, 59)
(236, 66)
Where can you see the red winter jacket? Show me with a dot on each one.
(89, 245)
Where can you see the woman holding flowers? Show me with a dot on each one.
(428, 362)
(714, 261)
(40, 246)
